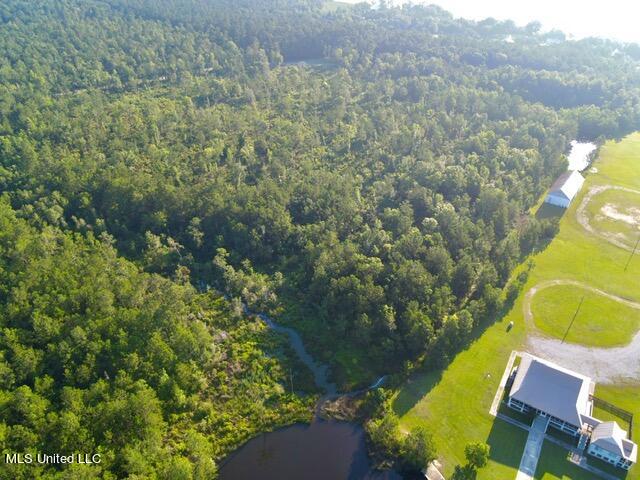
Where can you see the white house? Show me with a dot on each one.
(566, 399)
(552, 391)
(609, 443)
(565, 188)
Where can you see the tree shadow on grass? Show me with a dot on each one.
(554, 462)
(507, 443)
(547, 210)
(414, 390)
(421, 383)
(608, 468)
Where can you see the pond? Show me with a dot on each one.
(323, 450)
(579, 155)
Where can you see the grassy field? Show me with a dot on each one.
(454, 403)
(580, 316)
(616, 212)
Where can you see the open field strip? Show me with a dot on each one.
(454, 403)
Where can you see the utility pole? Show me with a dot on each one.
(573, 319)
(632, 254)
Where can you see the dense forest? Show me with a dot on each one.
(363, 174)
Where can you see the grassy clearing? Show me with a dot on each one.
(616, 212)
(454, 403)
(599, 322)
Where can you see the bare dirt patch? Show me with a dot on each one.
(632, 215)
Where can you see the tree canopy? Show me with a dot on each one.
(363, 174)
(99, 357)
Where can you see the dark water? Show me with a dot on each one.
(324, 450)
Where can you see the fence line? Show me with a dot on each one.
(611, 408)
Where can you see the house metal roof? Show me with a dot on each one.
(553, 389)
(609, 436)
(567, 185)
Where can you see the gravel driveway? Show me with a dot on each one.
(604, 365)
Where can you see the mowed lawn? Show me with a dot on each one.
(581, 316)
(454, 403)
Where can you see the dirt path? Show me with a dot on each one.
(583, 218)
(605, 365)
